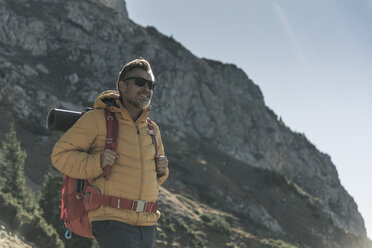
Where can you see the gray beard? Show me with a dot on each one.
(140, 104)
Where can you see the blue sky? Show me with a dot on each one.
(311, 59)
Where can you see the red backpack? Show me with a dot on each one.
(78, 197)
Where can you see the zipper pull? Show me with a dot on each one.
(137, 129)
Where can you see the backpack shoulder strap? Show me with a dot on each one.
(112, 126)
(152, 133)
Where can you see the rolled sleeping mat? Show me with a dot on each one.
(62, 119)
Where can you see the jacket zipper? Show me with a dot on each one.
(141, 168)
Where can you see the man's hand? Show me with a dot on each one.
(161, 165)
(108, 157)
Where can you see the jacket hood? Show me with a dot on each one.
(108, 99)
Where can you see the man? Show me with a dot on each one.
(136, 171)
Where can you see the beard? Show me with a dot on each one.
(140, 102)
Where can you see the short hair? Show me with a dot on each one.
(139, 63)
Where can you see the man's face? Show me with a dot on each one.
(139, 97)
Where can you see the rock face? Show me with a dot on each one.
(118, 5)
(63, 53)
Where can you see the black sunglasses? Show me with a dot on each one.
(140, 82)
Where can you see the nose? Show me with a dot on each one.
(145, 89)
(147, 85)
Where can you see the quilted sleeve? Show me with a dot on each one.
(71, 155)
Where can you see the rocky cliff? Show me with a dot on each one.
(63, 53)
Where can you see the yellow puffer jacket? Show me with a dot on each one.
(133, 176)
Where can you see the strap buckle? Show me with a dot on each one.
(138, 205)
(109, 140)
(151, 132)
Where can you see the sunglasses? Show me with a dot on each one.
(140, 82)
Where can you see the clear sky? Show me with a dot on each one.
(312, 60)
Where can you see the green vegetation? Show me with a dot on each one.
(197, 240)
(12, 165)
(18, 205)
(172, 226)
(275, 243)
(313, 201)
(217, 222)
(28, 224)
(37, 221)
(167, 223)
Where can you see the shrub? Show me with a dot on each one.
(30, 225)
(217, 223)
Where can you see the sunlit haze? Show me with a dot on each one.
(311, 59)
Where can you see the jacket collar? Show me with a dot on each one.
(110, 100)
(124, 112)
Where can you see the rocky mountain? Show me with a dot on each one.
(239, 176)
